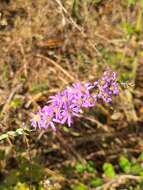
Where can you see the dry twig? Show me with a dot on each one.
(80, 29)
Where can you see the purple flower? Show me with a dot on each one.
(44, 118)
(47, 117)
(67, 104)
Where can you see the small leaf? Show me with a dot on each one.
(136, 169)
(141, 173)
(125, 164)
(128, 28)
(16, 102)
(90, 167)
(109, 170)
(91, 163)
(95, 182)
(80, 168)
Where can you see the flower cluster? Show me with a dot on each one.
(67, 104)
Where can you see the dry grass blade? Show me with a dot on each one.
(56, 65)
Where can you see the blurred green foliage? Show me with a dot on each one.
(125, 164)
(86, 174)
(132, 2)
(80, 168)
(109, 170)
(37, 88)
(96, 181)
(20, 177)
(16, 102)
(89, 167)
(141, 156)
(79, 186)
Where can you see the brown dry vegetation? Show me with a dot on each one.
(48, 44)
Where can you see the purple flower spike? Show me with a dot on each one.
(67, 104)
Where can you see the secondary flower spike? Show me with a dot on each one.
(67, 104)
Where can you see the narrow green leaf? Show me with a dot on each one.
(75, 9)
(80, 168)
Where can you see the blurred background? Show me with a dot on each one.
(47, 45)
